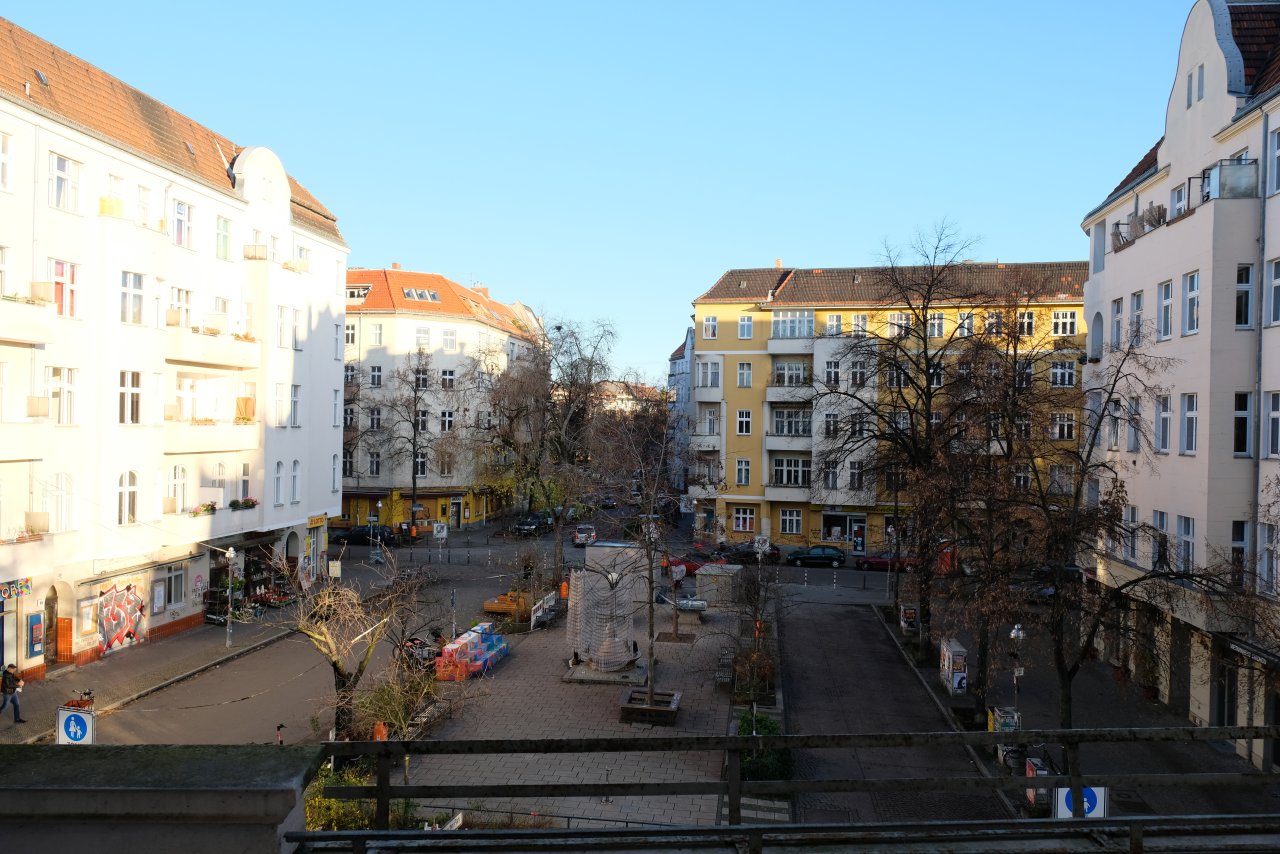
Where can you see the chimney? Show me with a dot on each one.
(777, 263)
(395, 265)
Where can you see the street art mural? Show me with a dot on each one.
(120, 616)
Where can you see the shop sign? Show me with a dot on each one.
(14, 589)
(318, 521)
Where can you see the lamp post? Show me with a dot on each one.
(375, 534)
(1017, 635)
(231, 556)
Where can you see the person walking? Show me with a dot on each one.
(10, 688)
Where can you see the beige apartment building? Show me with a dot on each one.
(1185, 261)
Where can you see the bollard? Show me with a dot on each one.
(833, 579)
(468, 558)
(806, 577)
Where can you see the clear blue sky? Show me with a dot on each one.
(611, 160)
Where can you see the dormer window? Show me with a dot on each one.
(358, 293)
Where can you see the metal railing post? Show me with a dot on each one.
(733, 771)
(382, 818)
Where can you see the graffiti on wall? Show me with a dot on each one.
(120, 616)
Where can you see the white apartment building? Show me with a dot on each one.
(1185, 256)
(680, 406)
(391, 315)
(170, 346)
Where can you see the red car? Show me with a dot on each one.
(693, 560)
(885, 562)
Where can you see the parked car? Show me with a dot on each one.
(884, 561)
(745, 553)
(692, 561)
(683, 601)
(362, 535)
(584, 535)
(816, 556)
(532, 526)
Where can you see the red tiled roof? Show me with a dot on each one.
(1255, 28)
(1146, 164)
(678, 353)
(871, 285)
(86, 97)
(386, 295)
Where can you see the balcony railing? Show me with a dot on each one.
(1226, 179)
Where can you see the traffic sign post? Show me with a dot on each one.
(75, 726)
(1095, 802)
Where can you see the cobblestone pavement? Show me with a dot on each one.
(525, 697)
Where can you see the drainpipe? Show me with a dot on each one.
(1251, 547)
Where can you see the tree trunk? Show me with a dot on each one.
(652, 659)
(344, 708)
(983, 669)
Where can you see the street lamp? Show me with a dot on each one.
(376, 534)
(231, 556)
(1017, 635)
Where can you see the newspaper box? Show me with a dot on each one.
(954, 666)
(909, 619)
(1039, 800)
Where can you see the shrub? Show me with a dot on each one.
(333, 814)
(763, 764)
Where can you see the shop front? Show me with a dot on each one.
(846, 528)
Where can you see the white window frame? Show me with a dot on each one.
(1026, 323)
(1189, 416)
(835, 324)
(710, 327)
(1164, 315)
(375, 376)
(746, 327)
(1242, 418)
(1064, 322)
(1244, 296)
(130, 398)
(1063, 426)
(223, 242)
(1130, 547)
(1136, 300)
(450, 340)
(831, 372)
(1186, 554)
(742, 472)
(375, 334)
(1062, 374)
(744, 520)
(964, 324)
(295, 482)
(790, 521)
(1117, 323)
(131, 296)
(858, 326)
(66, 286)
(1163, 424)
(744, 422)
(744, 375)
(937, 324)
(1133, 440)
(64, 183)
(6, 163)
(182, 219)
(1273, 317)
(1191, 303)
(1273, 424)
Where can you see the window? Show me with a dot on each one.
(375, 417)
(1274, 317)
(860, 426)
(422, 421)
(894, 377)
(375, 334)
(446, 421)
(1135, 319)
(422, 337)
(375, 376)
(793, 324)
(295, 406)
(1026, 323)
(337, 407)
(1117, 324)
(894, 480)
(130, 298)
(223, 249)
(1242, 425)
(1186, 544)
(790, 374)
(744, 422)
(830, 425)
(349, 334)
(744, 375)
(130, 397)
(835, 324)
(1189, 80)
(709, 375)
(964, 326)
(744, 519)
(64, 183)
(375, 464)
(282, 406)
(348, 416)
(1244, 296)
(335, 477)
(1239, 552)
(1064, 323)
(295, 482)
(284, 326)
(745, 327)
(64, 286)
(857, 373)
(994, 323)
(444, 465)
(1159, 539)
(1022, 477)
(792, 422)
(1064, 426)
(1113, 419)
(1190, 422)
(709, 328)
(1133, 441)
(337, 341)
(1191, 303)
(935, 375)
(789, 521)
(1267, 560)
(1024, 371)
(1200, 82)
(858, 326)
(447, 379)
(420, 463)
(127, 499)
(791, 471)
(6, 173)
(295, 338)
(450, 341)
(899, 324)
(348, 374)
(279, 483)
(181, 224)
(1022, 426)
(936, 323)
(832, 373)
(348, 463)
(1273, 424)
(244, 480)
(1130, 534)
(1163, 426)
(1062, 374)
(1178, 201)
(1061, 479)
(742, 473)
(857, 475)
(177, 488)
(1164, 320)
(830, 475)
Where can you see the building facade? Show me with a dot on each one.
(170, 344)
(415, 345)
(1185, 260)
(777, 383)
(680, 407)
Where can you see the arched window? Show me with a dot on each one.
(294, 482)
(279, 482)
(127, 499)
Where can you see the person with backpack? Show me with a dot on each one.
(10, 688)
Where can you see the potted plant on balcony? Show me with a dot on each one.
(248, 503)
(206, 509)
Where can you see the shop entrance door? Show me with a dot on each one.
(52, 637)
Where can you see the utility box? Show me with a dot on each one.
(954, 666)
(909, 619)
(1039, 800)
